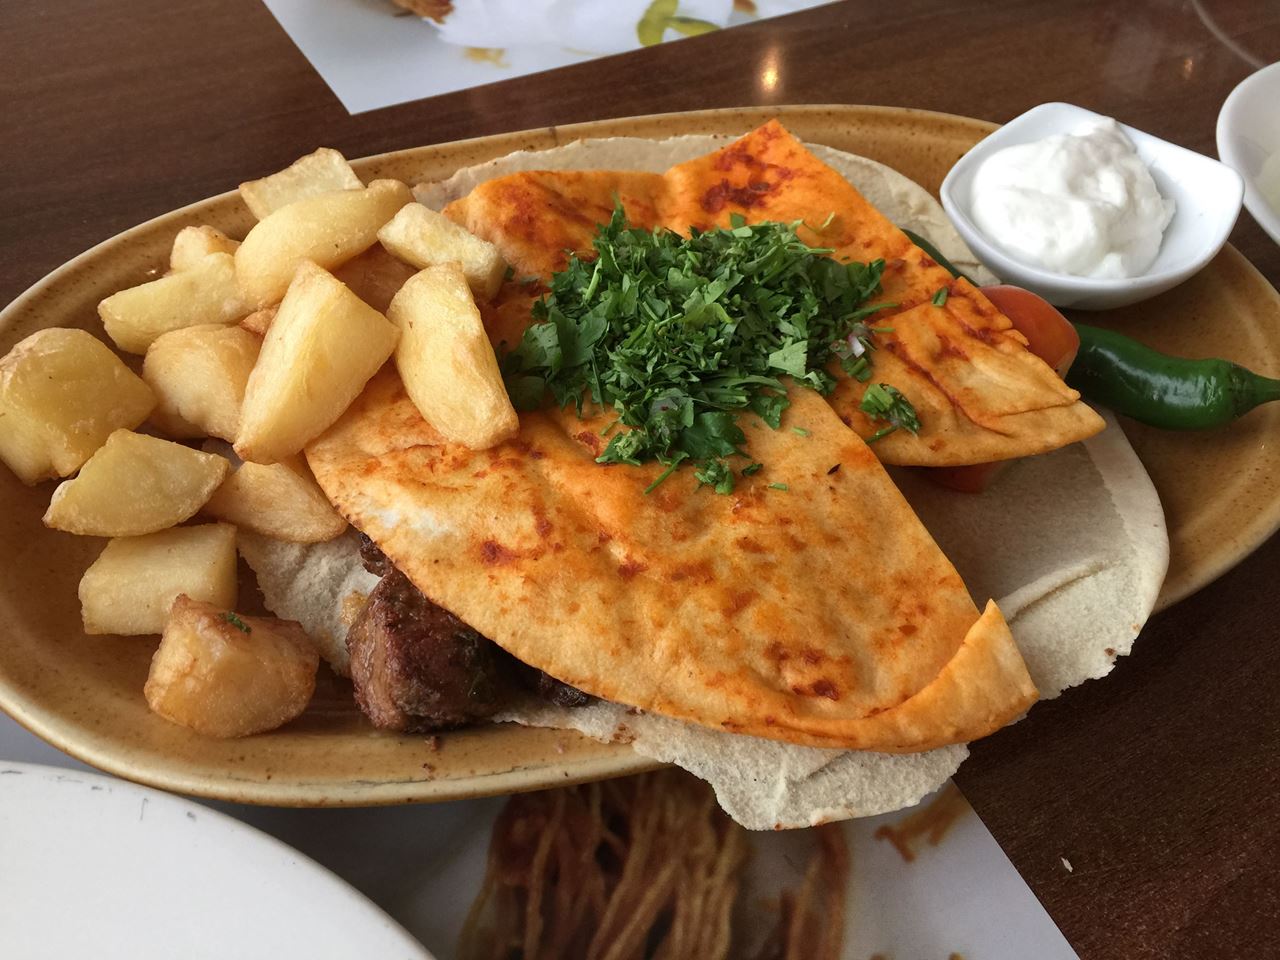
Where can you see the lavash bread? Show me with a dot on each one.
(1072, 545)
(324, 584)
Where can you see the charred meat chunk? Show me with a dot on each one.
(409, 657)
(417, 667)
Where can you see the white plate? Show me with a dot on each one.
(1248, 133)
(97, 867)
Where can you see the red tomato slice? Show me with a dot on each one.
(1050, 336)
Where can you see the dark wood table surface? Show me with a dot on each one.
(1160, 785)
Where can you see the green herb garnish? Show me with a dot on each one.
(716, 474)
(779, 486)
(940, 297)
(236, 622)
(883, 402)
(802, 431)
(678, 335)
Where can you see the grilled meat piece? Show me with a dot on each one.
(417, 667)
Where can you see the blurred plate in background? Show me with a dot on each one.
(96, 867)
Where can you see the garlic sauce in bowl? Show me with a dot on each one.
(1073, 218)
(1081, 203)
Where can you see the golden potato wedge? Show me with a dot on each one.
(324, 171)
(193, 244)
(375, 276)
(446, 361)
(258, 321)
(328, 229)
(224, 675)
(204, 292)
(423, 237)
(130, 587)
(278, 500)
(323, 346)
(133, 485)
(62, 393)
(199, 375)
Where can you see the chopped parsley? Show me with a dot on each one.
(678, 335)
(779, 486)
(883, 402)
(236, 622)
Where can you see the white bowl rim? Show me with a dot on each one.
(1225, 134)
(1067, 281)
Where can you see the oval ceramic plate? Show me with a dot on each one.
(146, 874)
(84, 694)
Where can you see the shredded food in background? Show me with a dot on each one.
(811, 920)
(929, 823)
(644, 868)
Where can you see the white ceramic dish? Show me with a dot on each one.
(1248, 133)
(1207, 195)
(97, 867)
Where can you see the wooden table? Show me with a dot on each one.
(1161, 786)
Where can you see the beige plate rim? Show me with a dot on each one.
(603, 761)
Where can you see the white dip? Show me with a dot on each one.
(1081, 204)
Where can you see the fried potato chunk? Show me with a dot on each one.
(329, 229)
(204, 292)
(447, 362)
(423, 237)
(193, 244)
(62, 393)
(133, 485)
(199, 375)
(130, 587)
(278, 500)
(322, 347)
(224, 675)
(323, 171)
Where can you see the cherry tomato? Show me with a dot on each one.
(1050, 335)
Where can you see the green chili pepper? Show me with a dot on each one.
(936, 255)
(1172, 393)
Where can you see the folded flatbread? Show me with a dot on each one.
(821, 614)
(980, 394)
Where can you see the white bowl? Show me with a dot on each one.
(1248, 133)
(1206, 194)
